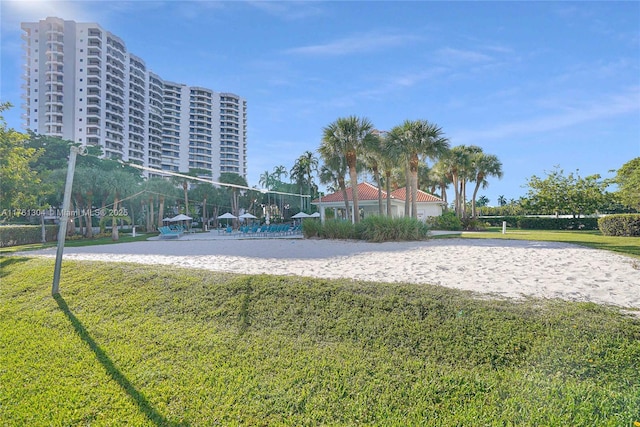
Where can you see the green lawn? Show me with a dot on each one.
(138, 345)
(593, 239)
(123, 238)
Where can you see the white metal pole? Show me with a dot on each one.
(64, 219)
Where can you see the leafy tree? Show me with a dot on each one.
(570, 194)
(628, 180)
(345, 137)
(18, 180)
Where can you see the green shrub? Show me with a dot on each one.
(372, 228)
(12, 235)
(535, 223)
(311, 229)
(447, 221)
(337, 229)
(472, 224)
(620, 225)
(496, 221)
(384, 229)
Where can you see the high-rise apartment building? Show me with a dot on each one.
(81, 84)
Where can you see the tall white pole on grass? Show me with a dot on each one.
(64, 219)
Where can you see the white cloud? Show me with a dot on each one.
(597, 109)
(450, 55)
(368, 42)
(289, 11)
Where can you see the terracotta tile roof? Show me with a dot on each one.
(367, 191)
(422, 196)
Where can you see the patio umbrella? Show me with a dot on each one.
(227, 216)
(248, 216)
(181, 217)
(315, 215)
(301, 215)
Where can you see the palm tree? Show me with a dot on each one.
(346, 137)
(278, 172)
(418, 139)
(333, 172)
(234, 179)
(458, 166)
(484, 165)
(119, 184)
(372, 155)
(443, 178)
(302, 170)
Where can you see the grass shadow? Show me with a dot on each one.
(139, 399)
(7, 261)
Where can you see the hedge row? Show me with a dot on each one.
(12, 235)
(620, 225)
(372, 229)
(536, 223)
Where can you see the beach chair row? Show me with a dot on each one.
(166, 231)
(270, 230)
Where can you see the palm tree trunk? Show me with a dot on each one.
(413, 167)
(345, 196)
(407, 193)
(456, 189)
(443, 195)
(388, 189)
(353, 174)
(161, 211)
(473, 200)
(114, 222)
(376, 174)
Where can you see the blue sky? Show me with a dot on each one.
(538, 84)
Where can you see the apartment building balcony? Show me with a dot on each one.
(94, 53)
(115, 60)
(55, 60)
(54, 102)
(94, 32)
(54, 130)
(115, 118)
(114, 109)
(94, 43)
(91, 130)
(93, 101)
(92, 112)
(55, 30)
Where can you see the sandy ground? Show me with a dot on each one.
(504, 268)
